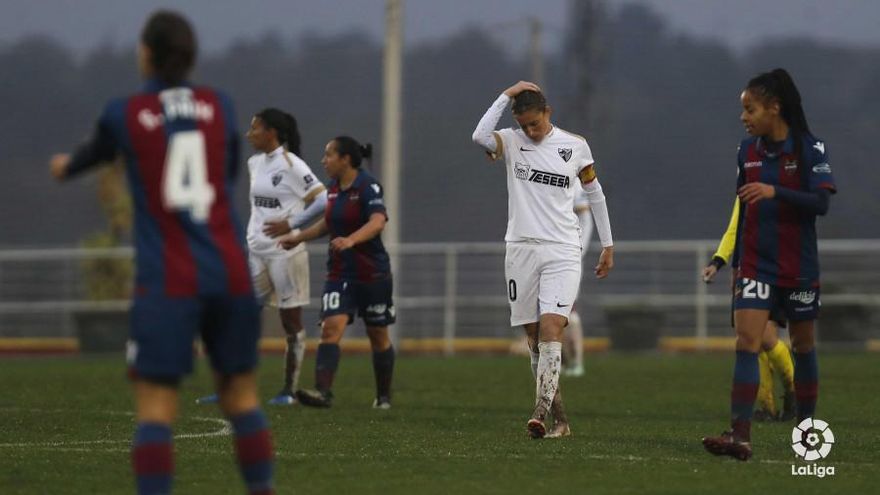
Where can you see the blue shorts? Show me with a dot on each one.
(795, 304)
(163, 330)
(371, 301)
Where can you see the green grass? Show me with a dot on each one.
(457, 426)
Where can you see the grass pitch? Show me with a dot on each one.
(457, 426)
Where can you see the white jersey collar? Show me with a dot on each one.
(275, 152)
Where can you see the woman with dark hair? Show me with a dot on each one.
(285, 196)
(181, 151)
(784, 182)
(358, 270)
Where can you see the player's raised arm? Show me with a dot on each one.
(485, 134)
(100, 148)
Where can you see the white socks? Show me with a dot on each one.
(549, 364)
(300, 350)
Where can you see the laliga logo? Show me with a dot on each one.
(812, 440)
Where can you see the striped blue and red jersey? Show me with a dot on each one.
(347, 211)
(776, 239)
(181, 149)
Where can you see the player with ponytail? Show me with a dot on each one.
(784, 182)
(285, 196)
(359, 279)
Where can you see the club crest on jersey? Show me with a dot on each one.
(564, 153)
(790, 166)
(276, 179)
(521, 170)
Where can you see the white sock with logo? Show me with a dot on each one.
(549, 364)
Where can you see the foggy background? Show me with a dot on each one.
(652, 85)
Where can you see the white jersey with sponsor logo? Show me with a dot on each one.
(280, 181)
(542, 182)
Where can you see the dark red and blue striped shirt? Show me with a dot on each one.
(347, 211)
(776, 239)
(181, 150)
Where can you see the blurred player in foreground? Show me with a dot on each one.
(180, 145)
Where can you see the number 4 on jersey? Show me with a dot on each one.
(185, 183)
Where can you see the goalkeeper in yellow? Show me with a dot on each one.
(774, 357)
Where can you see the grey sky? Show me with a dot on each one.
(82, 24)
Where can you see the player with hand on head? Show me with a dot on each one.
(180, 145)
(784, 182)
(545, 166)
(774, 357)
(359, 278)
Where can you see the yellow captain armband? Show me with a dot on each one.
(587, 174)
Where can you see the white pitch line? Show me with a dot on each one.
(224, 430)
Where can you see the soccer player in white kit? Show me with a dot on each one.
(285, 195)
(544, 165)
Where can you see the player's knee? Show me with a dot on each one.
(237, 393)
(802, 343)
(155, 403)
(291, 320)
(331, 332)
(747, 341)
(552, 327)
(803, 336)
(379, 338)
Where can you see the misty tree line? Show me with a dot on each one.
(660, 111)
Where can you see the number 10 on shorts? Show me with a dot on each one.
(331, 301)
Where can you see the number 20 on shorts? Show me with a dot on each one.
(752, 289)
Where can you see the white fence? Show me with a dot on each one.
(449, 290)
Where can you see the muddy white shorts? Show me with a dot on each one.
(282, 281)
(542, 277)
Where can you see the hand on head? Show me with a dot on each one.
(520, 87)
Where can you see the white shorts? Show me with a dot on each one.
(542, 278)
(282, 282)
